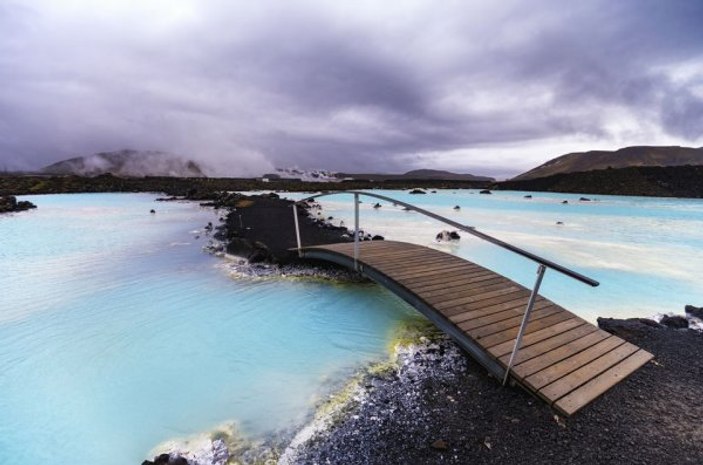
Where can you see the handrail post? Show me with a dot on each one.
(530, 303)
(356, 231)
(297, 229)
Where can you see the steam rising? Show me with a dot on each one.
(127, 163)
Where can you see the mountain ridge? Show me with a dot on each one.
(419, 174)
(638, 155)
(127, 163)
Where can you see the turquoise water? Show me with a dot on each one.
(646, 252)
(117, 333)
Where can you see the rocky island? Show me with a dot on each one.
(9, 203)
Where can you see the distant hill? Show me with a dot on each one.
(659, 181)
(417, 175)
(127, 163)
(623, 158)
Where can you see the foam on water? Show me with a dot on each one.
(118, 333)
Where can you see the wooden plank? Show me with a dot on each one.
(439, 276)
(579, 398)
(487, 286)
(396, 269)
(426, 272)
(532, 326)
(367, 249)
(504, 348)
(424, 269)
(497, 304)
(396, 255)
(404, 251)
(575, 379)
(487, 307)
(532, 366)
(518, 309)
(496, 322)
(469, 296)
(392, 267)
(528, 352)
(422, 288)
(393, 263)
(559, 370)
(513, 322)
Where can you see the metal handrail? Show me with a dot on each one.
(543, 262)
(471, 230)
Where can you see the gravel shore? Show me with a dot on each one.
(440, 407)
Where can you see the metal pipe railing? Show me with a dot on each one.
(543, 263)
(471, 230)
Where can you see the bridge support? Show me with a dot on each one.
(525, 318)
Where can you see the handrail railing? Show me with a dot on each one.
(543, 262)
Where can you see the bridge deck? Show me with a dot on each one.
(563, 359)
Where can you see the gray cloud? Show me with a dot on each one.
(245, 86)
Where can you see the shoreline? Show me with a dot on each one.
(425, 408)
(431, 403)
(445, 409)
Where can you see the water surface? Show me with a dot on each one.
(646, 252)
(117, 333)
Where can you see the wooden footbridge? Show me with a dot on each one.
(512, 331)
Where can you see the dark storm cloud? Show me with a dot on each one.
(245, 87)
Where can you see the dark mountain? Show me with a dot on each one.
(623, 158)
(417, 175)
(659, 181)
(127, 163)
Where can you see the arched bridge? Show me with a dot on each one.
(512, 331)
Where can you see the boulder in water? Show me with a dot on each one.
(696, 312)
(447, 236)
(9, 203)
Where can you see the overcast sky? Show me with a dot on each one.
(488, 87)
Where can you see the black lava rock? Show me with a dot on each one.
(9, 203)
(694, 311)
(675, 322)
